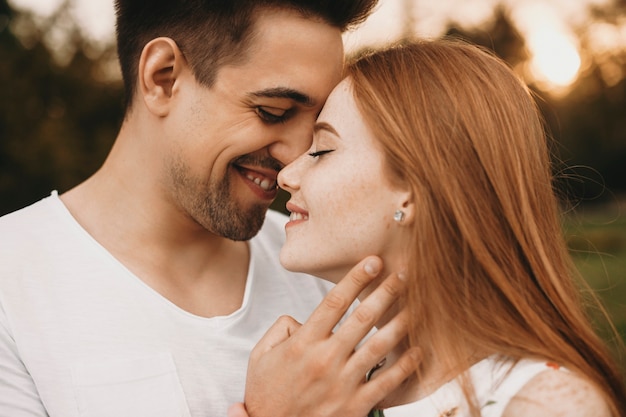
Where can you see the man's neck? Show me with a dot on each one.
(201, 272)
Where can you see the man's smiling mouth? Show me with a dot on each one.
(264, 183)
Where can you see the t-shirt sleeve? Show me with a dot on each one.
(18, 393)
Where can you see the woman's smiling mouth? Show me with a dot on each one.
(296, 214)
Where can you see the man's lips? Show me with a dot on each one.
(264, 180)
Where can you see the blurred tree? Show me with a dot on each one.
(588, 125)
(592, 118)
(57, 122)
(500, 35)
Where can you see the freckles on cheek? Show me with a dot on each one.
(386, 222)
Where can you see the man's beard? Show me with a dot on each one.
(212, 205)
(220, 214)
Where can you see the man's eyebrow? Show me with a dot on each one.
(283, 92)
(324, 126)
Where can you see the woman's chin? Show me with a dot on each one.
(324, 272)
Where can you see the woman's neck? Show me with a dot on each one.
(433, 372)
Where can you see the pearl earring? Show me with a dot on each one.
(398, 216)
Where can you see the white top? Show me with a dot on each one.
(80, 335)
(495, 381)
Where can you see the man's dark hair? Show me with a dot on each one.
(211, 33)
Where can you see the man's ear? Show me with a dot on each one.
(160, 64)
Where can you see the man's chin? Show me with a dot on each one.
(244, 227)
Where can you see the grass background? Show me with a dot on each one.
(596, 237)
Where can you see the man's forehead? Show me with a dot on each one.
(289, 57)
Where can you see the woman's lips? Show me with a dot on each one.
(297, 214)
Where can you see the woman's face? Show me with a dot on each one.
(342, 202)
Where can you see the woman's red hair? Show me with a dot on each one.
(489, 269)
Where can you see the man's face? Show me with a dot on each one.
(231, 140)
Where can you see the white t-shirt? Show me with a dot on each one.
(496, 381)
(80, 335)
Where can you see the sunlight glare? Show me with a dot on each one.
(555, 59)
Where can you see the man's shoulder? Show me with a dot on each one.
(29, 225)
(26, 215)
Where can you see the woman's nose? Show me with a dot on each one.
(289, 176)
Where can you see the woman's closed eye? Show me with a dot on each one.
(317, 154)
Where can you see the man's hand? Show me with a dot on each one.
(307, 370)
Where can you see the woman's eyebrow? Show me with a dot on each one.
(324, 126)
(283, 92)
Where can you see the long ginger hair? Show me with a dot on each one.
(488, 266)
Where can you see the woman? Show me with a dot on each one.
(433, 156)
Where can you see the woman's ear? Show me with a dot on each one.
(160, 65)
(407, 207)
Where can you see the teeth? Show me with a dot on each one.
(298, 216)
(266, 184)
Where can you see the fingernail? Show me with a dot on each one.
(372, 267)
(401, 276)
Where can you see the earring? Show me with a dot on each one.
(398, 216)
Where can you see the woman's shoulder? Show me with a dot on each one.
(557, 393)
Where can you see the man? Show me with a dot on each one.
(139, 292)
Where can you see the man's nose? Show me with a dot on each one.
(292, 144)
